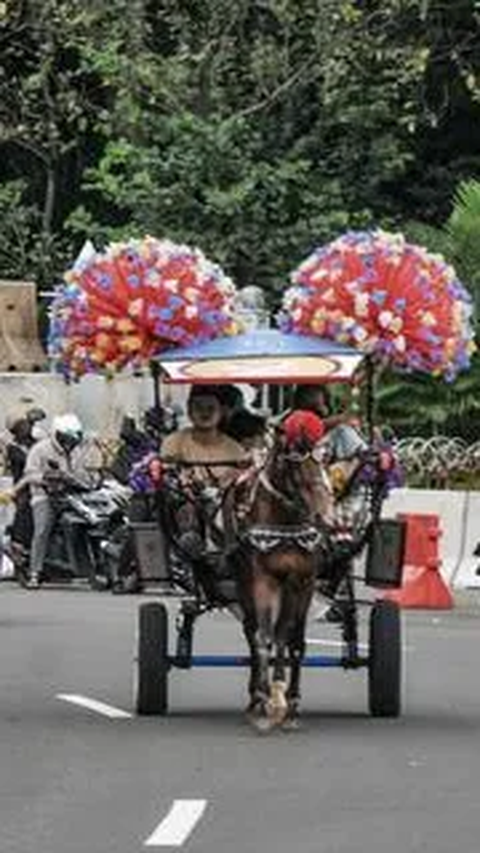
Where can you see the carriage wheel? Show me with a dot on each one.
(384, 661)
(152, 660)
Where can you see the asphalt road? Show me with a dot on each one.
(75, 781)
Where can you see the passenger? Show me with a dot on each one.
(248, 428)
(345, 444)
(56, 455)
(343, 434)
(134, 445)
(240, 421)
(21, 425)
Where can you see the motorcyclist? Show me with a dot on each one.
(56, 456)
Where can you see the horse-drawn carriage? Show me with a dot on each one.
(301, 514)
(290, 524)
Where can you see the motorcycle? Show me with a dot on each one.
(86, 519)
(476, 553)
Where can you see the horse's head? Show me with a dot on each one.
(295, 468)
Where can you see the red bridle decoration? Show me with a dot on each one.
(303, 427)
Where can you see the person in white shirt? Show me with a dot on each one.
(57, 454)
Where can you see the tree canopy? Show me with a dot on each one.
(255, 129)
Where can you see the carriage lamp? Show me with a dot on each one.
(251, 308)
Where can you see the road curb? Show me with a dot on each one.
(467, 601)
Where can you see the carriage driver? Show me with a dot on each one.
(204, 440)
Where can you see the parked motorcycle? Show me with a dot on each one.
(476, 553)
(86, 520)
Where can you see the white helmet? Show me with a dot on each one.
(67, 430)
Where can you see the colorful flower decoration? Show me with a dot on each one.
(378, 293)
(146, 475)
(382, 469)
(124, 305)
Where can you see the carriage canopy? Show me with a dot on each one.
(261, 356)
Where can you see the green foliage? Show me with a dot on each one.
(463, 230)
(19, 245)
(256, 130)
(420, 405)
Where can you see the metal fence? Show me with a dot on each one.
(439, 461)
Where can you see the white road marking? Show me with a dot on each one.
(314, 641)
(363, 647)
(93, 705)
(175, 828)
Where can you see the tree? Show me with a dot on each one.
(47, 111)
(463, 231)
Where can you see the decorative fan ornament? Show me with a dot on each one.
(120, 307)
(375, 291)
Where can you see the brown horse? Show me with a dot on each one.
(280, 556)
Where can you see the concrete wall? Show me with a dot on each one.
(100, 403)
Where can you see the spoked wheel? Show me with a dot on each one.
(152, 660)
(384, 661)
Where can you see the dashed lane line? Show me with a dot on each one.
(178, 824)
(363, 647)
(94, 705)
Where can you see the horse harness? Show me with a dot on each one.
(265, 539)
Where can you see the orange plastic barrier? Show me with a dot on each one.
(423, 585)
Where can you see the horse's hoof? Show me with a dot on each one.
(263, 725)
(291, 724)
(277, 715)
(277, 705)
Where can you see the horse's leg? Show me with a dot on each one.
(262, 641)
(249, 630)
(278, 705)
(296, 649)
(256, 628)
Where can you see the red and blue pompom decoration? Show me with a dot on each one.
(374, 291)
(120, 307)
(303, 429)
